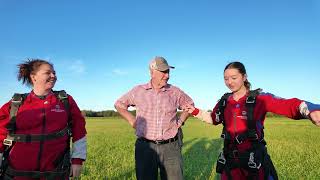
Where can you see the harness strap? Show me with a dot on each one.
(16, 101)
(36, 174)
(220, 113)
(221, 106)
(250, 104)
(40, 137)
(63, 97)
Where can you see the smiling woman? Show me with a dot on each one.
(39, 74)
(42, 124)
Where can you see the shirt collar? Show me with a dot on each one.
(33, 96)
(148, 86)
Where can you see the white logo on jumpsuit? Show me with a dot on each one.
(57, 109)
(243, 115)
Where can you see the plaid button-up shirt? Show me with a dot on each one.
(156, 112)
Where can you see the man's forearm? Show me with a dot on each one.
(127, 116)
(184, 116)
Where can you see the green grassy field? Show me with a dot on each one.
(294, 147)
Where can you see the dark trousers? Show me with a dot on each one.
(150, 157)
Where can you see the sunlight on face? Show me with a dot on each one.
(45, 78)
(160, 78)
(234, 80)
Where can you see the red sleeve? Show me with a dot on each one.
(4, 120)
(281, 106)
(78, 121)
(77, 161)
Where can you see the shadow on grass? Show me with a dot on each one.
(200, 158)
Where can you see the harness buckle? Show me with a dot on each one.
(218, 113)
(238, 140)
(251, 162)
(252, 134)
(250, 100)
(7, 142)
(221, 158)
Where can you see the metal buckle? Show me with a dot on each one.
(253, 135)
(218, 113)
(251, 162)
(62, 95)
(18, 101)
(224, 102)
(7, 142)
(223, 136)
(238, 141)
(250, 100)
(222, 159)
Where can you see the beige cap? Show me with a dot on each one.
(160, 64)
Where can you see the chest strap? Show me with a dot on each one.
(34, 137)
(37, 174)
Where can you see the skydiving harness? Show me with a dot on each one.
(62, 162)
(251, 160)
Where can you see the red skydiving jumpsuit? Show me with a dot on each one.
(235, 116)
(43, 116)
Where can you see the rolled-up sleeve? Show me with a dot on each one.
(126, 100)
(184, 99)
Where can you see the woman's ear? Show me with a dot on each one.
(33, 78)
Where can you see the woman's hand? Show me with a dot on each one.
(75, 170)
(315, 117)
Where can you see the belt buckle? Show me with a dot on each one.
(157, 142)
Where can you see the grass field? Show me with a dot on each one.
(294, 147)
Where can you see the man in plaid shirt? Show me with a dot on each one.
(158, 128)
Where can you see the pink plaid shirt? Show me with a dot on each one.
(156, 112)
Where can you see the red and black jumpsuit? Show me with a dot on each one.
(235, 117)
(43, 116)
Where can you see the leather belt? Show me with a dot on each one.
(159, 141)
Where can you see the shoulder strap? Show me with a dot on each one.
(221, 106)
(250, 104)
(220, 114)
(16, 101)
(63, 97)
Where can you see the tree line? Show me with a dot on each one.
(106, 113)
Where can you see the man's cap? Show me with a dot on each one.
(160, 64)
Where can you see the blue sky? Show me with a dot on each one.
(101, 49)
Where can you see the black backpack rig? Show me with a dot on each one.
(62, 163)
(251, 160)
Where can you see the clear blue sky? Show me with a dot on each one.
(101, 49)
